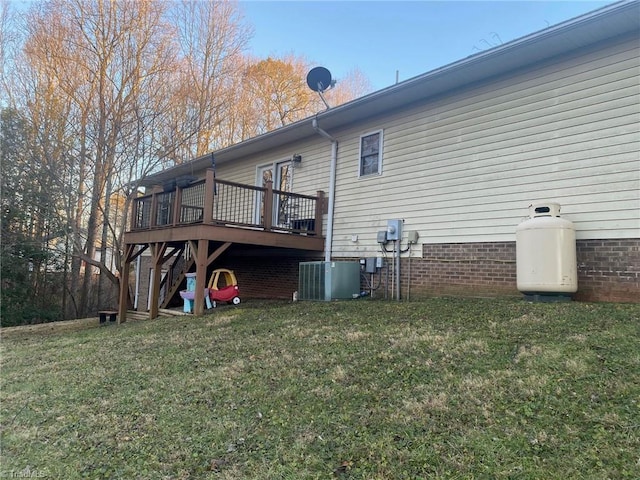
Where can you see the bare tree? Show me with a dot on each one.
(211, 38)
(278, 91)
(109, 91)
(354, 85)
(93, 66)
(274, 93)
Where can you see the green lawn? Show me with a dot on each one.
(363, 389)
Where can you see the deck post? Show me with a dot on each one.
(123, 303)
(319, 212)
(157, 250)
(209, 195)
(177, 202)
(268, 205)
(153, 221)
(134, 211)
(201, 274)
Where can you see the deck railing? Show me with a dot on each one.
(220, 202)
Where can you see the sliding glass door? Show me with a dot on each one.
(280, 175)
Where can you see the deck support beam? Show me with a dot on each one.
(201, 274)
(203, 260)
(157, 251)
(130, 255)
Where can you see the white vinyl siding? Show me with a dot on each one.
(308, 176)
(466, 167)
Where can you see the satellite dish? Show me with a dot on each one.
(319, 79)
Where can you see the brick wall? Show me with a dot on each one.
(608, 271)
(260, 276)
(466, 269)
(265, 276)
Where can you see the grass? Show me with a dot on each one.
(445, 388)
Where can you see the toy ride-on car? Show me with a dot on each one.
(223, 287)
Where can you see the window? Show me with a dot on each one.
(371, 154)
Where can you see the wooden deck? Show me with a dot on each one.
(210, 215)
(227, 211)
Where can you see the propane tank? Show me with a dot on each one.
(546, 252)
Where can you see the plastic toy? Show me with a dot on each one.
(223, 287)
(189, 294)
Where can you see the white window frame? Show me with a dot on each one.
(360, 153)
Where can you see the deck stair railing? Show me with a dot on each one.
(177, 281)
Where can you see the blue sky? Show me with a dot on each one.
(380, 37)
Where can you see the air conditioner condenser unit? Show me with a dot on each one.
(325, 281)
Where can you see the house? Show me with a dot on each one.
(457, 154)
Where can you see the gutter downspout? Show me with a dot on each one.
(332, 187)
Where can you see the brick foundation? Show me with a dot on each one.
(466, 269)
(608, 271)
(265, 277)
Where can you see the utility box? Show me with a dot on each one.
(325, 281)
(370, 265)
(394, 229)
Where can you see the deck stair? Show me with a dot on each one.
(175, 286)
